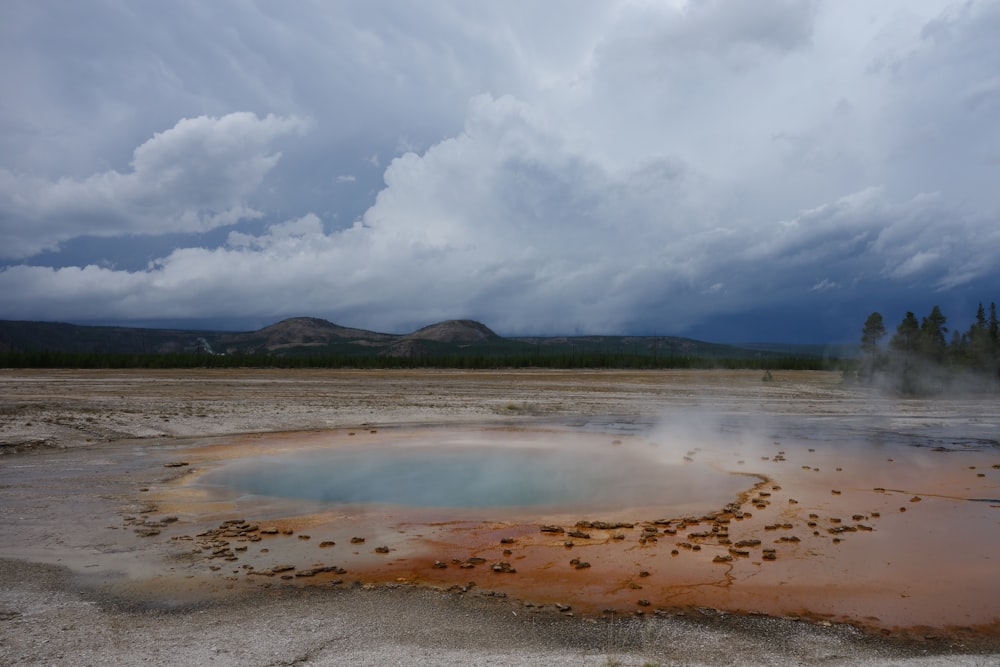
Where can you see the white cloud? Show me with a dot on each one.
(823, 285)
(915, 264)
(194, 177)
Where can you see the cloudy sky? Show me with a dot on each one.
(722, 169)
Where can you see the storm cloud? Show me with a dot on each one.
(713, 168)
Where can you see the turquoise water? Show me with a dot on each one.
(476, 477)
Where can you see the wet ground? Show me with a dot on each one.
(596, 495)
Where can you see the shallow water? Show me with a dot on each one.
(483, 470)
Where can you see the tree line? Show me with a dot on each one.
(554, 359)
(920, 357)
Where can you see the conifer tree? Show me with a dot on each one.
(933, 343)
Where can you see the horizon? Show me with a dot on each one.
(229, 327)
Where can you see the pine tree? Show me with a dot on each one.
(993, 326)
(872, 333)
(978, 338)
(932, 335)
(907, 336)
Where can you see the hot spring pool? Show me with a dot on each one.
(578, 471)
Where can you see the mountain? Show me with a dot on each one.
(455, 331)
(299, 332)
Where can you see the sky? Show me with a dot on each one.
(720, 169)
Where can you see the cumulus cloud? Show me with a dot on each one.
(192, 177)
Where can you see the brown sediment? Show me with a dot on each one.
(879, 570)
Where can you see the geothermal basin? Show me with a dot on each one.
(603, 495)
(649, 519)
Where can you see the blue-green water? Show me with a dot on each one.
(476, 477)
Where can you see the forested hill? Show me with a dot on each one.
(313, 341)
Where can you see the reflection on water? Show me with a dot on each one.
(501, 474)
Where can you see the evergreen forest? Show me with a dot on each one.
(921, 358)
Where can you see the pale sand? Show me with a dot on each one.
(87, 449)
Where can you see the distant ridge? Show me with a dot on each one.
(295, 335)
(315, 337)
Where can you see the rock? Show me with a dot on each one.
(439, 565)
(313, 571)
(326, 544)
(503, 567)
(175, 464)
(268, 531)
(357, 540)
(552, 529)
(604, 525)
(382, 550)
(506, 540)
(579, 534)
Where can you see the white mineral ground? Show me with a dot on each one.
(790, 522)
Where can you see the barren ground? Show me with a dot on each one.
(882, 517)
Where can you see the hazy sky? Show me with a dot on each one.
(729, 170)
